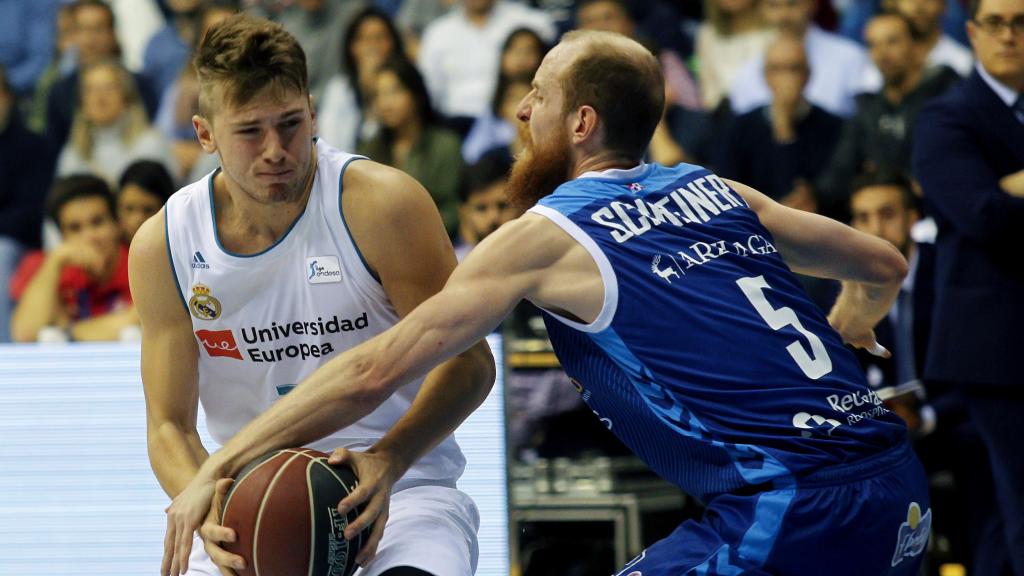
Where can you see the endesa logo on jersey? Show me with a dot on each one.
(219, 343)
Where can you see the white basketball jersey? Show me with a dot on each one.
(266, 321)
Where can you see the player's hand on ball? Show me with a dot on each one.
(377, 473)
(184, 516)
(214, 534)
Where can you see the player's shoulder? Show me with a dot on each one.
(381, 186)
(150, 241)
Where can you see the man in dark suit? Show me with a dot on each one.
(883, 204)
(969, 158)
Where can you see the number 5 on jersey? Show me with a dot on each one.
(814, 365)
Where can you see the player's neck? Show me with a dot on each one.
(602, 161)
(246, 225)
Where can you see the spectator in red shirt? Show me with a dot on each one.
(81, 286)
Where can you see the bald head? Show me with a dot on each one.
(617, 77)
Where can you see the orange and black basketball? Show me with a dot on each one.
(283, 508)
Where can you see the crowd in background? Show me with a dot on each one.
(813, 102)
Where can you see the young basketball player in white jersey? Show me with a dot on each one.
(288, 255)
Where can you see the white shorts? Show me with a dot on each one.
(432, 528)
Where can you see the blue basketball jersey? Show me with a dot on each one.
(708, 360)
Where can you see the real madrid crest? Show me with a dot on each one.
(202, 304)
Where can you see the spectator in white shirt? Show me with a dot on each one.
(840, 68)
(460, 51)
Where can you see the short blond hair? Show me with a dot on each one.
(244, 55)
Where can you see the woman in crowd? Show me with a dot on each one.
(110, 129)
(412, 137)
(370, 40)
(143, 189)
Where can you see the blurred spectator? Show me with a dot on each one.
(877, 138)
(883, 205)
(343, 115)
(80, 286)
(521, 53)
(782, 147)
(145, 20)
(320, 26)
(142, 191)
(615, 16)
(110, 129)
(167, 52)
(969, 159)
(856, 13)
(62, 62)
(95, 41)
(459, 55)
(180, 101)
(26, 166)
(499, 128)
(732, 34)
(26, 41)
(483, 203)
(415, 15)
(412, 138)
(840, 69)
(940, 50)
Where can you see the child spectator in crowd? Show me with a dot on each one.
(81, 286)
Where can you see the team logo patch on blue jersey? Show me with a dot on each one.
(913, 535)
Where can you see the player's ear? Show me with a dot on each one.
(204, 132)
(584, 124)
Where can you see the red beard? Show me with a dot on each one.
(538, 169)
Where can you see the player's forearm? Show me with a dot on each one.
(39, 305)
(352, 385)
(450, 393)
(864, 303)
(175, 454)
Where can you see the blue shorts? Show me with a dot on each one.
(868, 518)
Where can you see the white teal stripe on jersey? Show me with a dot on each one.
(673, 413)
(611, 283)
(637, 172)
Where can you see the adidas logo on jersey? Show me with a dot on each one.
(198, 262)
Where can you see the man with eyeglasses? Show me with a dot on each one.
(969, 159)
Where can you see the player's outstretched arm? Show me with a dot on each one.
(871, 268)
(169, 370)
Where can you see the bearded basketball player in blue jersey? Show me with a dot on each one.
(671, 303)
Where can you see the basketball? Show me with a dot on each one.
(283, 508)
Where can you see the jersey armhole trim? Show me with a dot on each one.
(610, 281)
(341, 211)
(170, 257)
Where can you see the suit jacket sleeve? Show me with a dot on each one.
(958, 181)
